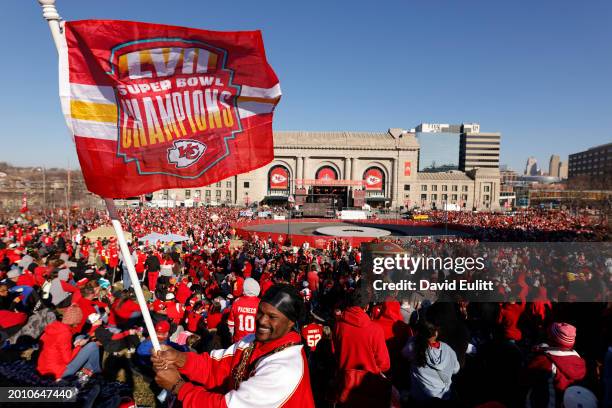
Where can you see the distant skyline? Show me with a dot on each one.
(538, 72)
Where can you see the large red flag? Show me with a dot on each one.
(154, 107)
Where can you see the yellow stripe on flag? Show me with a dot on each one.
(256, 99)
(97, 112)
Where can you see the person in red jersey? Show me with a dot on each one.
(312, 332)
(241, 320)
(139, 261)
(313, 278)
(237, 283)
(508, 318)
(266, 369)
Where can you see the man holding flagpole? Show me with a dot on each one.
(265, 369)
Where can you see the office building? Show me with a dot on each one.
(553, 166)
(531, 168)
(594, 162)
(438, 151)
(479, 151)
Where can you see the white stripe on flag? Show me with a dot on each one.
(246, 109)
(267, 93)
(92, 93)
(94, 130)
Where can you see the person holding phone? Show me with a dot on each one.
(61, 356)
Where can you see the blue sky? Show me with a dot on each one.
(537, 71)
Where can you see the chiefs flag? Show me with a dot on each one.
(279, 178)
(373, 179)
(155, 107)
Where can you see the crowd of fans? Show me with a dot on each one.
(530, 225)
(67, 307)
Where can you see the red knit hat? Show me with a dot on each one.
(162, 327)
(563, 334)
(72, 315)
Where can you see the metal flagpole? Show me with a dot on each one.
(53, 18)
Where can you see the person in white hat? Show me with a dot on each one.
(13, 275)
(241, 319)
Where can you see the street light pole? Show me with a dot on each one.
(44, 173)
(44, 186)
(445, 218)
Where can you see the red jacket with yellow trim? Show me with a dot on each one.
(279, 379)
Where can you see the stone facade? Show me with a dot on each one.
(350, 154)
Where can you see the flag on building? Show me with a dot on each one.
(24, 204)
(155, 107)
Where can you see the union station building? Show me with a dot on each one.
(350, 169)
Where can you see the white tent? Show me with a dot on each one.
(154, 237)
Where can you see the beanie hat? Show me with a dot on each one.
(286, 299)
(104, 283)
(563, 334)
(250, 287)
(72, 315)
(162, 327)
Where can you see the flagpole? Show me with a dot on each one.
(127, 258)
(53, 18)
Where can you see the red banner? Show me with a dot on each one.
(24, 204)
(279, 178)
(358, 198)
(373, 179)
(328, 182)
(157, 107)
(326, 173)
(407, 170)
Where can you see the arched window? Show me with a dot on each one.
(327, 173)
(278, 180)
(374, 179)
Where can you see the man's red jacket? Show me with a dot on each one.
(280, 379)
(362, 357)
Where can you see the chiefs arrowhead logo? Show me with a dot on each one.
(278, 178)
(372, 180)
(184, 153)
